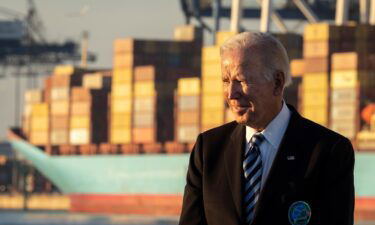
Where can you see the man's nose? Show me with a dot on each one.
(233, 91)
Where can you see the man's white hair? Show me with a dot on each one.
(273, 53)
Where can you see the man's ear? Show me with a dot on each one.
(279, 81)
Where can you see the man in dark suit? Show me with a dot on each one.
(271, 166)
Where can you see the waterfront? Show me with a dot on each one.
(66, 218)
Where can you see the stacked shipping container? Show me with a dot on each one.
(153, 105)
(121, 95)
(320, 41)
(30, 97)
(39, 130)
(63, 79)
(352, 87)
(88, 109)
(187, 110)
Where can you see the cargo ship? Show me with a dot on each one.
(118, 140)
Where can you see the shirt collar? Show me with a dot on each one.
(275, 130)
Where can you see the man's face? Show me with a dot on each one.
(251, 98)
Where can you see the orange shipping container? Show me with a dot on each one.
(59, 122)
(143, 135)
(123, 60)
(39, 137)
(188, 117)
(60, 107)
(297, 67)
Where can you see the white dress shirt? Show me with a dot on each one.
(273, 134)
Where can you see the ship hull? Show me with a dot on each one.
(151, 184)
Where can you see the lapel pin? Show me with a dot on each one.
(291, 157)
(299, 213)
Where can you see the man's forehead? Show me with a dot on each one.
(241, 58)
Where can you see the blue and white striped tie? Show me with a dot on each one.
(252, 167)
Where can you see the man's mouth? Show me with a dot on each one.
(239, 108)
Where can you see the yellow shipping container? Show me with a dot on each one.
(144, 88)
(318, 49)
(79, 122)
(119, 120)
(222, 36)
(122, 90)
(39, 123)
(211, 117)
(210, 54)
(212, 86)
(344, 79)
(321, 32)
(315, 98)
(188, 86)
(96, 81)
(121, 105)
(122, 75)
(211, 69)
(64, 70)
(120, 135)
(187, 33)
(316, 114)
(315, 81)
(39, 109)
(213, 102)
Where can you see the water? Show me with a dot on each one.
(66, 218)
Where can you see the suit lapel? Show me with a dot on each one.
(233, 165)
(280, 167)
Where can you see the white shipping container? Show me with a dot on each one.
(79, 136)
(187, 133)
(144, 104)
(188, 102)
(60, 93)
(143, 119)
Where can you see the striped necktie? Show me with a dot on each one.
(252, 167)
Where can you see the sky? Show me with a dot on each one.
(105, 20)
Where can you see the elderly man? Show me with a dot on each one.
(271, 166)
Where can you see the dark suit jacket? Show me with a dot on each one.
(321, 175)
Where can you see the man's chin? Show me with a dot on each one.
(241, 119)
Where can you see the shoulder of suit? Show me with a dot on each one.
(320, 132)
